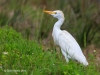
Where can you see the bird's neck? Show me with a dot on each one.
(58, 24)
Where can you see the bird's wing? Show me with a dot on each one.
(69, 45)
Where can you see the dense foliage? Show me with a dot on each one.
(26, 16)
(20, 56)
(26, 45)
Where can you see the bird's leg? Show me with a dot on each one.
(65, 55)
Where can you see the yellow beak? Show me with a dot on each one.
(49, 12)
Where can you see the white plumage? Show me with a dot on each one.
(69, 47)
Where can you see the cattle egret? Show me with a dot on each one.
(69, 47)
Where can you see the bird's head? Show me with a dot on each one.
(57, 13)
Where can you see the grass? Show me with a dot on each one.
(28, 18)
(19, 56)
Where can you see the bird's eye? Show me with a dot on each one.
(55, 12)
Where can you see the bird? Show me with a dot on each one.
(69, 46)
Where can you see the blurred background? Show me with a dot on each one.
(82, 20)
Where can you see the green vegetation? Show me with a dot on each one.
(27, 26)
(27, 17)
(20, 56)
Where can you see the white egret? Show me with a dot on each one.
(69, 47)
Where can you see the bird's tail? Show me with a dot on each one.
(85, 63)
